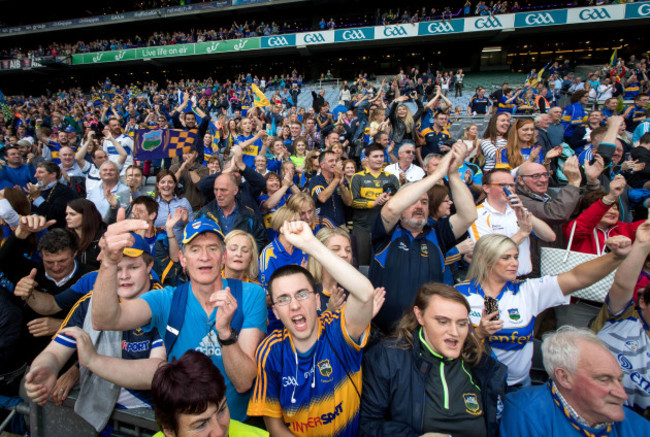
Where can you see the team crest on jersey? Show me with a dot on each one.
(632, 345)
(424, 250)
(325, 368)
(471, 404)
(377, 183)
(514, 315)
(138, 331)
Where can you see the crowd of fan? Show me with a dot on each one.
(253, 28)
(295, 247)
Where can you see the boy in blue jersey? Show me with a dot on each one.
(124, 361)
(309, 373)
(223, 318)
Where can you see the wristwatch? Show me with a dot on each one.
(234, 335)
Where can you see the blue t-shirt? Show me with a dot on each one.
(9, 177)
(198, 332)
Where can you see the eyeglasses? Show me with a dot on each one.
(504, 185)
(537, 176)
(410, 152)
(286, 300)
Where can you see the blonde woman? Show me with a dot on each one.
(241, 262)
(508, 329)
(403, 121)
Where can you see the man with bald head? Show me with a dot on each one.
(230, 213)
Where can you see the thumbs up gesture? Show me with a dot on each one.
(26, 286)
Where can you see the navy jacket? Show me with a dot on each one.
(394, 390)
(248, 193)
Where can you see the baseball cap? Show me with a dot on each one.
(200, 226)
(70, 130)
(24, 143)
(139, 247)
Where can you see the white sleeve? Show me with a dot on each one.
(542, 293)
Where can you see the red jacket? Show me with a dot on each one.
(583, 240)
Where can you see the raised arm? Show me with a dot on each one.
(411, 193)
(108, 313)
(121, 152)
(542, 230)
(628, 272)
(80, 156)
(593, 271)
(358, 310)
(463, 199)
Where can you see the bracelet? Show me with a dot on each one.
(171, 237)
(608, 202)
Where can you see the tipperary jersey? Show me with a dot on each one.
(519, 304)
(312, 392)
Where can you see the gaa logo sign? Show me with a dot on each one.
(539, 18)
(353, 35)
(593, 14)
(395, 31)
(644, 10)
(488, 23)
(440, 27)
(314, 38)
(277, 41)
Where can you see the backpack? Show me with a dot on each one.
(177, 312)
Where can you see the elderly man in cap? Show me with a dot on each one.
(116, 367)
(584, 396)
(222, 318)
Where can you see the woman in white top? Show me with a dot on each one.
(344, 94)
(508, 327)
(495, 137)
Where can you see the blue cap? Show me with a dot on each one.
(70, 129)
(139, 247)
(200, 226)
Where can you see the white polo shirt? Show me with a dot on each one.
(413, 173)
(491, 221)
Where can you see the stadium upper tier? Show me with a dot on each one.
(383, 34)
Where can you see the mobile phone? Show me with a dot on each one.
(507, 191)
(491, 305)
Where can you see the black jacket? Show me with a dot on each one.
(56, 200)
(249, 191)
(399, 128)
(394, 383)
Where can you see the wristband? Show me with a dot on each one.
(607, 201)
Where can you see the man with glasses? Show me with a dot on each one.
(404, 168)
(532, 189)
(503, 213)
(309, 373)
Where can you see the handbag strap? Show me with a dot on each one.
(597, 243)
(568, 248)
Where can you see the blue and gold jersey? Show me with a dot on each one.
(312, 393)
(274, 256)
(251, 151)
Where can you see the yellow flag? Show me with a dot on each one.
(260, 99)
